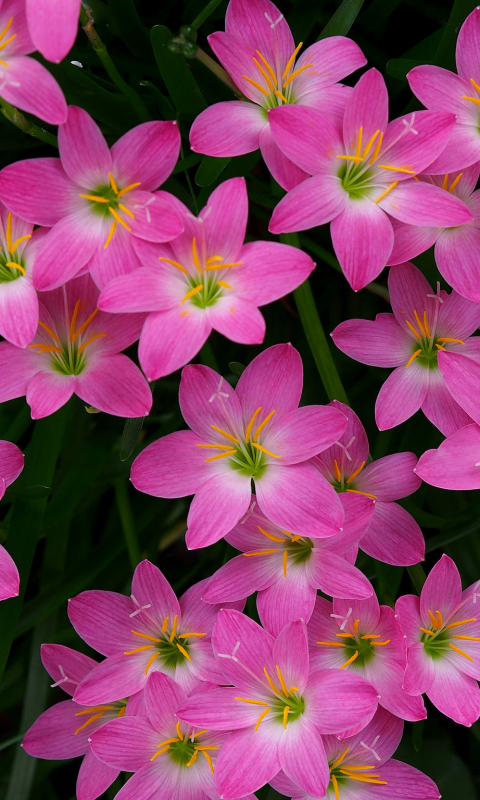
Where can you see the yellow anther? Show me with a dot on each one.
(261, 717)
(89, 721)
(179, 732)
(47, 348)
(270, 535)
(128, 189)
(221, 455)
(380, 644)
(216, 446)
(73, 320)
(282, 682)
(445, 182)
(429, 633)
(118, 218)
(192, 293)
(454, 183)
(225, 285)
(333, 644)
(414, 331)
(262, 425)
(475, 85)
(184, 652)
(377, 148)
(291, 60)
(4, 44)
(356, 472)
(346, 635)
(355, 625)
(17, 242)
(209, 760)
(369, 144)
(249, 427)
(210, 267)
(261, 552)
(257, 86)
(110, 234)
(92, 339)
(85, 325)
(196, 260)
(369, 636)
(150, 661)
(193, 759)
(294, 74)
(335, 787)
(460, 652)
(199, 733)
(422, 329)
(440, 620)
(126, 210)
(227, 435)
(364, 778)
(280, 95)
(425, 324)
(397, 169)
(202, 747)
(433, 620)
(4, 64)
(113, 183)
(138, 649)
(357, 159)
(387, 191)
(296, 538)
(165, 625)
(253, 702)
(267, 65)
(469, 638)
(6, 28)
(93, 709)
(168, 741)
(339, 758)
(358, 147)
(159, 753)
(337, 471)
(271, 683)
(264, 450)
(365, 494)
(285, 560)
(464, 97)
(174, 628)
(285, 716)
(265, 75)
(412, 358)
(146, 636)
(462, 622)
(49, 330)
(95, 198)
(449, 339)
(355, 769)
(211, 259)
(187, 635)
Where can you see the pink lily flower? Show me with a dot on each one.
(442, 630)
(427, 339)
(11, 465)
(361, 767)
(364, 638)
(253, 433)
(454, 464)
(391, 535)
(64, 730)
(147, 632)
(363, 176)
(169, 757)
(23, 81)
(98, 202)
(207, 278)
(456, 248)
(287, 570)
(53, 26)
(76, 350)
(442, 90)
(276, 706)
(259, 53)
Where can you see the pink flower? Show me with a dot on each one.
(207, 278)
(427, 339)
(287, 570)
(151, 631)
(76, 350)
(253, 433)
(11, 465)
(169, 757)
(258, 52)
(361, 767)
(442, 90)
(98, 202)
(365, 638)
(363, 177)
(442, 630)
(53, 26)
(23, 81)
(64, 730)
(391, 535)
(454, 464)
(277, 707)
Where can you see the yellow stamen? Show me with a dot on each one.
(174, 628)
(270, 535)
(95, 198)
(285, 559)
(186, 635)
(335, 787)
(337, 471)
(253, 702)
(332, 644)
(380, 644)
(412, 358)
(364, 778)
(257, 86)
(454, 183)
(369, 636)
(457, 650)
(168, 741)
(6, 28)
(221, 455)
(296, 537)
(294, 74)
(449, 339)
(355, 625)
(217, 446)
(74, 320)
(445, 181)
(138, 649)
(196, 260)
(429, 633)
(464, 97)
(192, 293)
(227, 435)
(425, 324)
(250, 425)
(49, 330)
(422, 329)
(475, 85)
(387, 191)
(282, 682)
(92, 339)
(113, 183)
(439, 618)
(440, 347)
(165, 625)
(222, 266)
(126, 210)
(118, 218)
(262, 425)
(365, 494)
(261, 717)
(357, 472)
(355, 769)
(340, 758)
(207, 756)
(261, 552)
(267, 65)
(199, 733)
(9, 231)
(357, 159)
(159, 753)
(350, 660)
(225, 285)
(202, 747)
(470, 638)
(128, 189)
(95, 708)
(265, 75)
(85, 325)
(358, 148)
(174, 264)
(110, 234)
(146, 636)
(264, 450)
(377, 148)
(122, 711)
(193, 759)
(179, 732)
(369, 144)
(414, 331)
(398, 169)
(4, 44)
(347, 635)
(462, 622)
(184, 652)
(150, 661)
(47, 348)
(17, 242)
(285, 716)
(272, 685)
(4, 64)
(89, 721)
(290, 61)
(280, 95)
(210, 259)
(434, 621)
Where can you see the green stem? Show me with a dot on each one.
(218, 71)
(204, 15)
(417, 576)
(16, 118)
(127, 522)
(98, 46)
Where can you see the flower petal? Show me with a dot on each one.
(66, 666)
(146, 154)
(367, 108)
(456, 254)
(260, 23)
(126, 743)
(53, 734)
(9, 575)
(32, 88)
(304, 432)
(66, 248)
(83, 150)
(336, 701)
(216, 508)
(170, 467)
(208, 401)
(362, 237)
(237, 319)
(442, 589)
(170, 340)
(401, 396)
(390, 478)
(462, 380)
(441, 90)
(314, 202)
(285, 172)
(454, 694)
(393, 536)
(18, 311)
(17, 367)
(419, 203)
(302, 757)
(381, 343)
(453, 465)
(307, 137)
(259, 762)
(38, 190)
(49, 391)
(273, 380)
(53, 28)
(440, 407)
(115, 385)
(286, 599)
(94, 777)
(231, 128)
(272, 270)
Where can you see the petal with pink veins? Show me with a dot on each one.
(260, 23)
(456, 254)
(284, 171)
(406, 783)
(439, 89)
(390, 478)
(271, 270)
(207, 401)
(11, 462)
(420, 670)
(302, 757)
(53, 27)
(146, 154)
(367, 108)
(102, 619)
(462, 380)
(18, 311)
(307, 137)
(83, 150)
(17, 367)
(94, 777)
(336, 701)
(413, 142)
(442, 590)
(146, 289)
(453, 465)
(237, 57)
(118, 258)
(242, 576)
(252, 654)
(457, 316)
(216, 508)
(115, 385)
(156, 218)
(237, 319)
(387, 677)
(333, 58)
(170, 340)
(55, 734)
(286, 599)
(68, 246)
(126, 743)
(401, 395)
(9, 576)
(224, 219)
(314, 202)
(290, 654)
(259, 762)
(149, 780)
(49, 391)
(440, 407)
(467, 49)
(393, 536)
(38, 190)
(66, 666)
(411, 240)
(32, 88)
(463, 148)
(380, 343)
(273, 380)
(231, 128)
(116, 677)
(454, 694)
(419, 203)
(173, 466)
(302, 433)
(334, 576)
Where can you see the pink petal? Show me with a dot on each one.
(146, 154)
(286, 599)
(18, 311)
(441, 90)
(119, 258)
(290, 653)
(11, 462)
(272, 270)
(38, 190)
(440, 407)
(387, 676)
(302, 757)
(102, 619)
(170, 340)
(49, 391)
(407, 610)
(248, 20)
(407, 783)
(162, 698)
(420, 671)
(22, 44)
(216, 508)
(237, 319)
(354, 437)
(149, 585)
(410, 241)
(304, 432)
(53, 26)
(401, 396)
(147, 781)
(462, 379)
(83, 150)
(331, 100)
(259, 763)
(115, 385)
(146, 289)
(52, 735)
(336, 701)
(237, 57)
(442, 589)
(66, 666)
(463, 148)
(240, 577)
(285, 172)
(367, 108)
(156, 217)
(121, 330)
(466, 53)
(333, 58)
(419, 203)
(94, 777)
(362, 237)
(203, 408)
(9, 575)
(170, 467)
(117, 677)
(66, 249)
(126, 744)
(393, 536)
(224, 219)
(458, 314)
(17, 367)
(32, 88)
(381, 343)
(300, 500)
(390, 478)
(456, 253)
(410, 292)
(334, 576)
(254, 651)
(273, 380)
(453, 465)
(454, 694)
(308, 138)
(230, 128)
(419, 149)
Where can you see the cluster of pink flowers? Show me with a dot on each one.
(94, 257)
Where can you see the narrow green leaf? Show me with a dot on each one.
(204, 15)
(181, 85)
(210, 169)
(208, 357)
(131, 432)
(342, 20)
(236, 368)
(417, 734)
(445, 55)
(399, 67)
(447, 537)
(127, 521)
(128, 23)
(186, 163)
(417, 576)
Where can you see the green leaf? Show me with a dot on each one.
(447, 537)
(131, 432)
(210, 169)
(204, 15)
(417, 735)
(342, 20)
(417, 576)
(445, 55)
(398, 67)
(128, 22)
(236, 368)
(440, 763)
(186, 163)
(181, 85)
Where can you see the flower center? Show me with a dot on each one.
(358, 647)
(341, 773)
(277, 90)
(184, 750)
(437, 638)
(342, 483)
(427, 343)
(285, 705)
(11, 268)
(172, 648)
(97, 712)
(105, 201)
(298, 548)
(475, 100)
